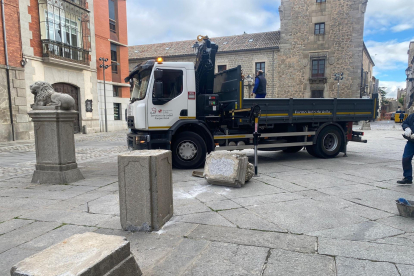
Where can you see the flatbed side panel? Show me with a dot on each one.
(312, 110)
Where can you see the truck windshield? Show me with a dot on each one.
(140, 85)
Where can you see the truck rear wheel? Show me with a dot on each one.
(188, 151)
(311, 151)
(329, 142)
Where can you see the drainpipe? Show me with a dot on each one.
(7, 68)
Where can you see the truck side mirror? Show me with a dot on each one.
(158, 89)
(158, 74)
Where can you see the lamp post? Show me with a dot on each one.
(104, 67)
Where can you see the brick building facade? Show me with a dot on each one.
(54, 41)
(111, 43)
(13, 102)
(316, 40)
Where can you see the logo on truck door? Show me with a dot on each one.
(161, 114)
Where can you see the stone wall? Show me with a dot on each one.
(341, 47)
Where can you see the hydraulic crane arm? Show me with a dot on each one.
(204, 66)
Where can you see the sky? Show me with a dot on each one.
(389, 27)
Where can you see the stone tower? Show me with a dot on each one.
(318, 39)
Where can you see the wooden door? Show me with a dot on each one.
(74, 92)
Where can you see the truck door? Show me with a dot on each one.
(166, 109)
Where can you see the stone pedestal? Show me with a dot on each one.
(55, 146)
(366, 125)
(87, 254)
(145, 189)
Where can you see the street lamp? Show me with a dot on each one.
(104, 67)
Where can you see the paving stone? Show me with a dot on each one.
(55, 236)
(403, 239)
(366, 251)
(246, 219)
(286, 241)
(234, 260)
(378, 199)
(111, 223)
(364, 231)
(266, 199)
(252, 188)
(352, 267)
(338, 190)
(282, 262)
(282, 184)
(189, 206)
(314, 180)
(367, 212)
(209, 218)
(108, 204)
(13, 224)
(399, 222)
(307, 215)
(25, 234)
(220, 205)
(375, 174)
(405, 270)
(12, 257)
(70, 217)
(179, 229)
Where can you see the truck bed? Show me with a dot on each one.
(313, 110)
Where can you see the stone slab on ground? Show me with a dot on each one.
(87, 254)
(145, 189)
(226, 168)
(282, 262)
(300, 243)
(353, 267)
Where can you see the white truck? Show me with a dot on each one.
(186, 108)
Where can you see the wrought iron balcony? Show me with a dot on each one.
(318, 80)
(59, 50)
(79, 3)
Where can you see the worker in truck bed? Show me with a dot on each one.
(260, 85)
(408, 154)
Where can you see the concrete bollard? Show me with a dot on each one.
(226, 169)
(145, 189)
(88, 254)
(366, 125)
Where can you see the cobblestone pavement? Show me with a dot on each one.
(301, 216)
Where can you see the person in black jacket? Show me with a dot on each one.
(408, 154)
(260, 85)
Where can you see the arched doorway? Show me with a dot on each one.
(74, 92)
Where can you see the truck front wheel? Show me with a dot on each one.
(329, 142)
(188, 150)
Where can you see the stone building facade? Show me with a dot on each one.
(368, 81)
(54, 41)
(316, 40)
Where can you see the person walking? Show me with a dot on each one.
(259, 85)
(408, 154)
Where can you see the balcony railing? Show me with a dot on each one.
(59, 50)
(80, 3)
(317, 80)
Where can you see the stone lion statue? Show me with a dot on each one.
(45, 95)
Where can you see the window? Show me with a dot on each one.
(317, 94)
(117, 91)
(172, 81)
(112, 15)
(320, 1)
(320, 28)
(260, 66)
(117, 111)
(318, 68)
(221, 68)
(114, 58)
